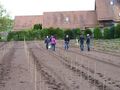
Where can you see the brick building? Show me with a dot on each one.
(106, 13)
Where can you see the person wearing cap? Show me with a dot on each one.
(47, 41)
(66, 42)
(88, 42)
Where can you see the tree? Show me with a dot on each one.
(5, 24)
(2, 11)
(5, 21)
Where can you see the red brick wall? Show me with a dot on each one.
(104, 10)
(26, 22)
(116, 8)
(76, 19)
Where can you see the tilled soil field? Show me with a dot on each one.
(29, 66)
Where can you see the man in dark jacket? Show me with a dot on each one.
(66, 42)
(47, 41)
(81, 42)
(88, 42)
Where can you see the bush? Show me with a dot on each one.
(112, 32)
(88, 31)
(57, 32)
(107, 33)
(60, 33)
(97, 33)
(117, 31)
(20, 35)
(69, 32)
(76, 32)
(16, 36)
(37, 27)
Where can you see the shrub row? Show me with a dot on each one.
(107, 33)
(21, 35)
(37, 34)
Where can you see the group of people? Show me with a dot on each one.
(51, 42)
(82, 42)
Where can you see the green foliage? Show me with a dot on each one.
(2, 11)
(52, 31)
(117, 31)
(44, 33)
(5, 21)
(60, 33)
(76, 32)
(69, 32)
(34, 34)
(87, 31)
(97, 33)
(57, 32)
(37, 27)
(112, 32)
(107, 33)
(5, 24)
(27, 34)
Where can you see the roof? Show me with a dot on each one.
(70, 19)
(26, 22)
(104, 10)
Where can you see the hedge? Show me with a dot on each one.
(117, 31)
(37, 33)
(97, 33)
(20, 35)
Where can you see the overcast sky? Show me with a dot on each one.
(37, 7)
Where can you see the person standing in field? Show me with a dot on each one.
(66, 42)
(47, 41)
(88, 42)
(53, 42)
(81, 40)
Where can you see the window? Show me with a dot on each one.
(119, 14)
(67, 19)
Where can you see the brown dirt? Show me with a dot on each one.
(29, 66)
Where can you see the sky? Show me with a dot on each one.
(37, 7)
